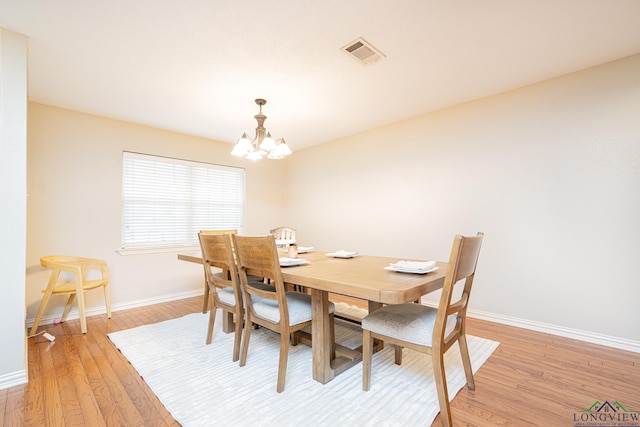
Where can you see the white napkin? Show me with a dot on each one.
(415, 265)
(343, 254)
(303, 249)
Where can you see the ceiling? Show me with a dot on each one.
(196, 66)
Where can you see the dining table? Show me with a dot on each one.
(358, 276)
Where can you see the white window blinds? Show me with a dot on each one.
(166, 202)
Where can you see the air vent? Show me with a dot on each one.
(363, 52)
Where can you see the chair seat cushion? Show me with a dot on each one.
(299, 306)
(408, 322)
(226, 296)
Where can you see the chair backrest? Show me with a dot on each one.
(81, 265)
(229, 231)
(258, 256)
(283, 233)
(217, 252)
(462, 265)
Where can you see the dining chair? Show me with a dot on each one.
(224, 289)
(205, 304)
(88, 273)
(287, 236)
(426, 329)
(284, 233)
(280, 311)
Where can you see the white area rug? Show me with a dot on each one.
(200, 385)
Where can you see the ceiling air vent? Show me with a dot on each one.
(363, 52)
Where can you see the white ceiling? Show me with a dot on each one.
(196, 66)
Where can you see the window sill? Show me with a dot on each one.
(156, 250)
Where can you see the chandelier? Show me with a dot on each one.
(262, 144)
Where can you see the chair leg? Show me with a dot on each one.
(43, 305)
(107, 299)
(282, 365)
(80, 296)
(441, 387)
(212, 321)
(53, 279)
(245, 340)
(367, 354)
(205, 303)
(67, 307)
(466, 361)
(237, 338)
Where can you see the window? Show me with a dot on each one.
(166, 202)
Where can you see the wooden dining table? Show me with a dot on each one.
(363, 277)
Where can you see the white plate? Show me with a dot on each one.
(343, 254)
(291, 262)
(409, 270)
(414, 265)
(301, 249)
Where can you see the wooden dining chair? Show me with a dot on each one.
(280, 311)
(288, 235)
(427, 329)
(83, 269)
(224, 289)
(205, 304)
(284, 233)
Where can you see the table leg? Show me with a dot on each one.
(373, 306)
(228, 325)
(321, 337)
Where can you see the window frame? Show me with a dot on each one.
(186, 181)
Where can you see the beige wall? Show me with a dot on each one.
(550, 172)
(74, 186)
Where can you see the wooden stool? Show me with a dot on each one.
(79, 267)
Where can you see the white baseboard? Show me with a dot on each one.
(13, 379)
(73, 314)
(577, 334)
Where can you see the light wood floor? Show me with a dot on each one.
(531, 379)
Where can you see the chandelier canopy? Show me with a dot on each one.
(262, 144)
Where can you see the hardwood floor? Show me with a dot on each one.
(531, 379)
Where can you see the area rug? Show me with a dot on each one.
(201, 386)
